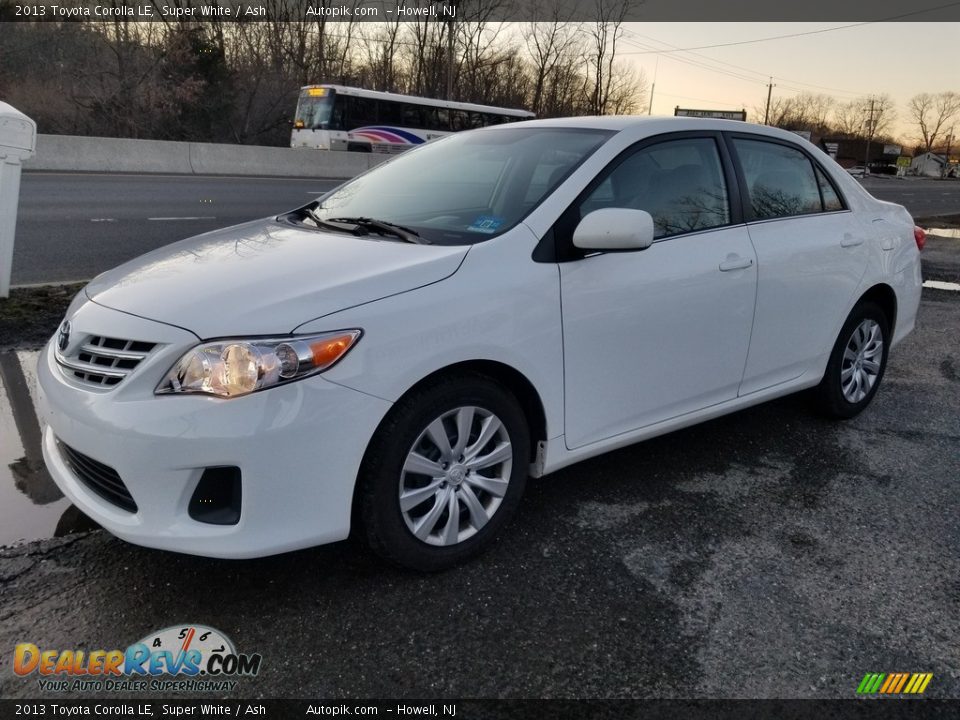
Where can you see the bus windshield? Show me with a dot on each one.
(314, 109)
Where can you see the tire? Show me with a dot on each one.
(408, 483)
(856, 358)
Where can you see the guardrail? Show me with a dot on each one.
(71, 153)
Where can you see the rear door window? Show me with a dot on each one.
(780, 180)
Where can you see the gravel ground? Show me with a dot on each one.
(766, 554)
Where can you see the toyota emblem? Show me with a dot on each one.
(63, 338)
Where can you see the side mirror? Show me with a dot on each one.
(615, 229)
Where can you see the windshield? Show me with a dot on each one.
(467, 187)
(313, 112)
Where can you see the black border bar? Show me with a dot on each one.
(882, 709)
(830, 11)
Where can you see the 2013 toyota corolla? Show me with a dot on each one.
(398, 356)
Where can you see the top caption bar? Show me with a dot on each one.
(832, 11)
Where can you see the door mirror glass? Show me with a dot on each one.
(614, 229)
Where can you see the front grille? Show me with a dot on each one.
(103, 361)
(100, 478)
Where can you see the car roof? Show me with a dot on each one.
(654, 125)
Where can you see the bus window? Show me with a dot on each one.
(359, 112)
(389, 112)
(459, 120)
(443, 119)
(336, 117)
(411, 115)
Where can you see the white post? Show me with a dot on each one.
(18, 140)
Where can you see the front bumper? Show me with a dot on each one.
(298, 447)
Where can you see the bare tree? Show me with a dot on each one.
(481, 52)
(881, 112)
(604, 34)
(866, 117)
(548, 43)
(933, 114)
(848, 119)
(383, 64)
(804, 111)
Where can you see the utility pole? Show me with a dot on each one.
(946, 157)
(866, 159)
(766, 115)
(653, 86)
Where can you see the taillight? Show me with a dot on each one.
(920, 236)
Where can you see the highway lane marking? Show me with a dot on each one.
(940, 285)
(103, 219)
(198, 217)
(944, 232)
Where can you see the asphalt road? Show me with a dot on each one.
(770, 553)
(73, 226)
(922, 197)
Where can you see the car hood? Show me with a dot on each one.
(265, 277)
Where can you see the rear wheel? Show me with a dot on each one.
(857, 362)
(444, 473)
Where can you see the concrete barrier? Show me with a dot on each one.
(70, 153)
(18, 135)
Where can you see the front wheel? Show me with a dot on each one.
(444, 472)
(857, 362)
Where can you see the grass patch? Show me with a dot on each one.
(31, 315)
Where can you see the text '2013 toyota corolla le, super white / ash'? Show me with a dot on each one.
(397, 357)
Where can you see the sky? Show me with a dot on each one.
(901, 59)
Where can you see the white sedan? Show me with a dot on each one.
(396, 358)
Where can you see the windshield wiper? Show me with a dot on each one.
(351, 228)
(381, 227)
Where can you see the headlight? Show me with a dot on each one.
(230, 368)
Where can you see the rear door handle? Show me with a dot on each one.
(735, 262)
(851, 241)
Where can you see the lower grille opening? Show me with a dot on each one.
(217, 498)
(101, 479)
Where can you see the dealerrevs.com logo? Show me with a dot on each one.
(187, 658)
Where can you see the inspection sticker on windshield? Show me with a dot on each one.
(486, 224)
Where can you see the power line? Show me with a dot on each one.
(852, 93)
(697, 63)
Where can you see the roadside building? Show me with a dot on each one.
(928, 164)
(851, 152)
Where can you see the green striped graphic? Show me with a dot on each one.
(880, 678)
(871, 683)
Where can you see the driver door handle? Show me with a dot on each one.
(735, 262)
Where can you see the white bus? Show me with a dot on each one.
(334, 117)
